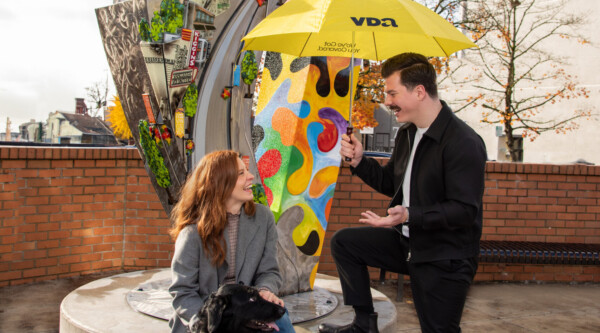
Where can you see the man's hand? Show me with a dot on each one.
(351, 148)
(397, 215)
(400, 212)
(269, 296)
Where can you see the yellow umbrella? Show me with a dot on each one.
(367, 29)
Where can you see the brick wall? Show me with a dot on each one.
(522, 202)
(76, 211)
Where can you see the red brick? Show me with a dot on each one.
(72, 173)
(58, 234)
(91, 257)
(61, 199)
(14, 164)
(82, 233)
(50, 191)
(34, 272)
(102, 248)
(25, 173)
(47, 209)
(557, 193)
(7, 196)
(83, 216)
(526, 185)
(51, 173)
(106, 164)
(83, 266)
(516, 208)
(35, 201)
(104, 180)
(58, 252)
(11, 275)
(22, 265)
(84, 164)
(102, 231)
(92, 240)
(68, 242)
(74, 190)
(36, 236)
(82, 198)
(47, 244)
(48, 226)
(94, 172)
(95, 189)
(88, 207)
(81, 249)
(46, 262)
(61, 218)
(92, 224)
(116, 172)
(72, 208)
(38, 182)
(62, 164)
(567, 186)
(61, 182)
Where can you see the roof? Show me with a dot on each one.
(87, 124)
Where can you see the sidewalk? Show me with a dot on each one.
(490, 308)
(507, 308)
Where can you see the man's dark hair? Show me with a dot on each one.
(414, 70)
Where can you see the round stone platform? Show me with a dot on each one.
(110, 304)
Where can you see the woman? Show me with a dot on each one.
(221, 237)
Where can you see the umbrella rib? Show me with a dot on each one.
(375, 46)
(304, 46)
(440, 45)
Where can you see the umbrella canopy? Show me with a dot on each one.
(367, 29)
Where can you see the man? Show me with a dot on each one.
(435, 177)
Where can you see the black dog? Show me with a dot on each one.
(237, 308)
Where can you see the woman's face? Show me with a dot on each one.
(242, 191)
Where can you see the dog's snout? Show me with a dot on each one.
(281, 311)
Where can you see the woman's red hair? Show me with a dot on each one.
(202, 201)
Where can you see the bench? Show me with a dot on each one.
(526, 253)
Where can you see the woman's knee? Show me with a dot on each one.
(285, 323)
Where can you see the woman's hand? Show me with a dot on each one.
(269, 296)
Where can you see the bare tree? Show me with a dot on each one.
(97, 93)
(447, 68)
(513, 56)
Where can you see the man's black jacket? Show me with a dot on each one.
(446, 191)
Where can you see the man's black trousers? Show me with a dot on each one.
(439, 288)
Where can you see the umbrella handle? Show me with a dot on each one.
(349, 133)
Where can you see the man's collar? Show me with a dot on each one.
(437, 128)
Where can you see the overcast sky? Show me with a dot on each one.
(52, 51)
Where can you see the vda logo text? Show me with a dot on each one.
(373, 22)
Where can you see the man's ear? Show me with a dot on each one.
(421, 92)
(216, 305)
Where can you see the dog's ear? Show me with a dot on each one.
(216, 305)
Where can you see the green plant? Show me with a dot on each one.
(153, 156)
(157, 28)
(171, 12)
(190, 100)
(144, 29)
(168, 19)
(258, 192)
(249, 68)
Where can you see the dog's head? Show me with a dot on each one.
(238, 308)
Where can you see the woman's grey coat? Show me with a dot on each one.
(194, 277)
